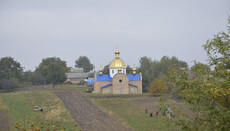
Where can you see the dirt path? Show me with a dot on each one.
(4, 121)
(86, 113)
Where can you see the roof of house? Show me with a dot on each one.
(106, 85)
(133, 85)
(76, 70)
(106, 77)
(134, 77)
(77, 75)
(90, 80)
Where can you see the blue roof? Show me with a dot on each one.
(134, 77)
(133, 85)
(104, 77)
(90, 81)
(106, 86)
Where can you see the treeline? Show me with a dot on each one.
(50, 71)
(152, 69)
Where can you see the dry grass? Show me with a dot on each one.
(21, 105)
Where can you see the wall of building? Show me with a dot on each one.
(120, 87)
(116, 85)
(138, 84)
(99, 84)
(107, 90)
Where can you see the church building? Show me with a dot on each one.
(117, 81)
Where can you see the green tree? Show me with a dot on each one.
(56, 74)
(208, 91)
(46, 67)
(157, 69)
(146, 70)
(9, 68)
(129, 70)
(106, 69)
(84, 62)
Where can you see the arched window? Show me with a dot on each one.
(112, 71)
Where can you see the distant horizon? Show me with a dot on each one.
(33, 30)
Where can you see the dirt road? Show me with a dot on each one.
(86, 113)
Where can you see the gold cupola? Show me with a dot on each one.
(134, 70)
(117, 62)
(100, 70)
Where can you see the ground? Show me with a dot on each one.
(68, 105)
(86, 113)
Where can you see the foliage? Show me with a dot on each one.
(106, 69)
(52, 70)
(208, 91)
(34, 78)
(129, 70)
(157, 87)
(146, 70)
(56, 74)
(157, 69)
(9, 84)
(84, 62)
(10, 68)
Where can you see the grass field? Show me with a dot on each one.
(132, 115)
(21, 110)
(128, 109)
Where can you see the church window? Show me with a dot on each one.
(112, 71)
(107, 89)
(120, 81)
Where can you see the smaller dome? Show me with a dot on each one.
(134, 69)
(100, 71)
(117, 52)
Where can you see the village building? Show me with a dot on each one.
(117, 81)
(77, 75)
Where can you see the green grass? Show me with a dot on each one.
(132, 115)
(21, 110)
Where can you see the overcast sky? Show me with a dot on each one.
(31, 30)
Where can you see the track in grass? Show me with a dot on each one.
(86, 113)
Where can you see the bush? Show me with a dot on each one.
(9, 84)
(157, 87)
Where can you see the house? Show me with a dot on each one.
(76, 75)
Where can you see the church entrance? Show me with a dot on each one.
(121, 90)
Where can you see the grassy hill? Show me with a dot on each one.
(20, 108)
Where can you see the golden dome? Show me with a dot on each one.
(134, 69)
(117, 62)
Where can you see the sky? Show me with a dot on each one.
(31, 30)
